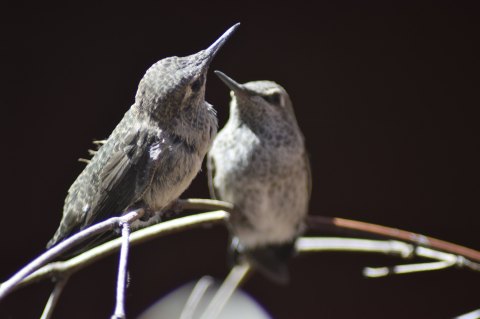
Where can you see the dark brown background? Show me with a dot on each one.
(384, 93)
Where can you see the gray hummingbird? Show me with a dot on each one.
(155, 151)
(259, 163)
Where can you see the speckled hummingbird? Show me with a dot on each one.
(259, 163)
(155, 151)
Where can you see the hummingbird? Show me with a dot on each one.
(155, 151)
(259, 163)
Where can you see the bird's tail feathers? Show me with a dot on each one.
(270, 260)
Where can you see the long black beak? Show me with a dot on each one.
(212, 50)
(237, 88)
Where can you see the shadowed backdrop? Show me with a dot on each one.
(384, 94)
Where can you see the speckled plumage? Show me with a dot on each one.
(155, 151)
(258, 162)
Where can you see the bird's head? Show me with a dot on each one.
(176, 85)
(259, 102)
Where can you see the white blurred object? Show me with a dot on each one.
(240, 305)
(471, 315)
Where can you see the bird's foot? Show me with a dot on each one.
(148, 213)
(173, 210)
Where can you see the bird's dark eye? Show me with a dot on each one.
(196, 85)
(272, 98)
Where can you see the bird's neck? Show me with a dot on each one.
(253, 118)
(194, 128)
(197, 128)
